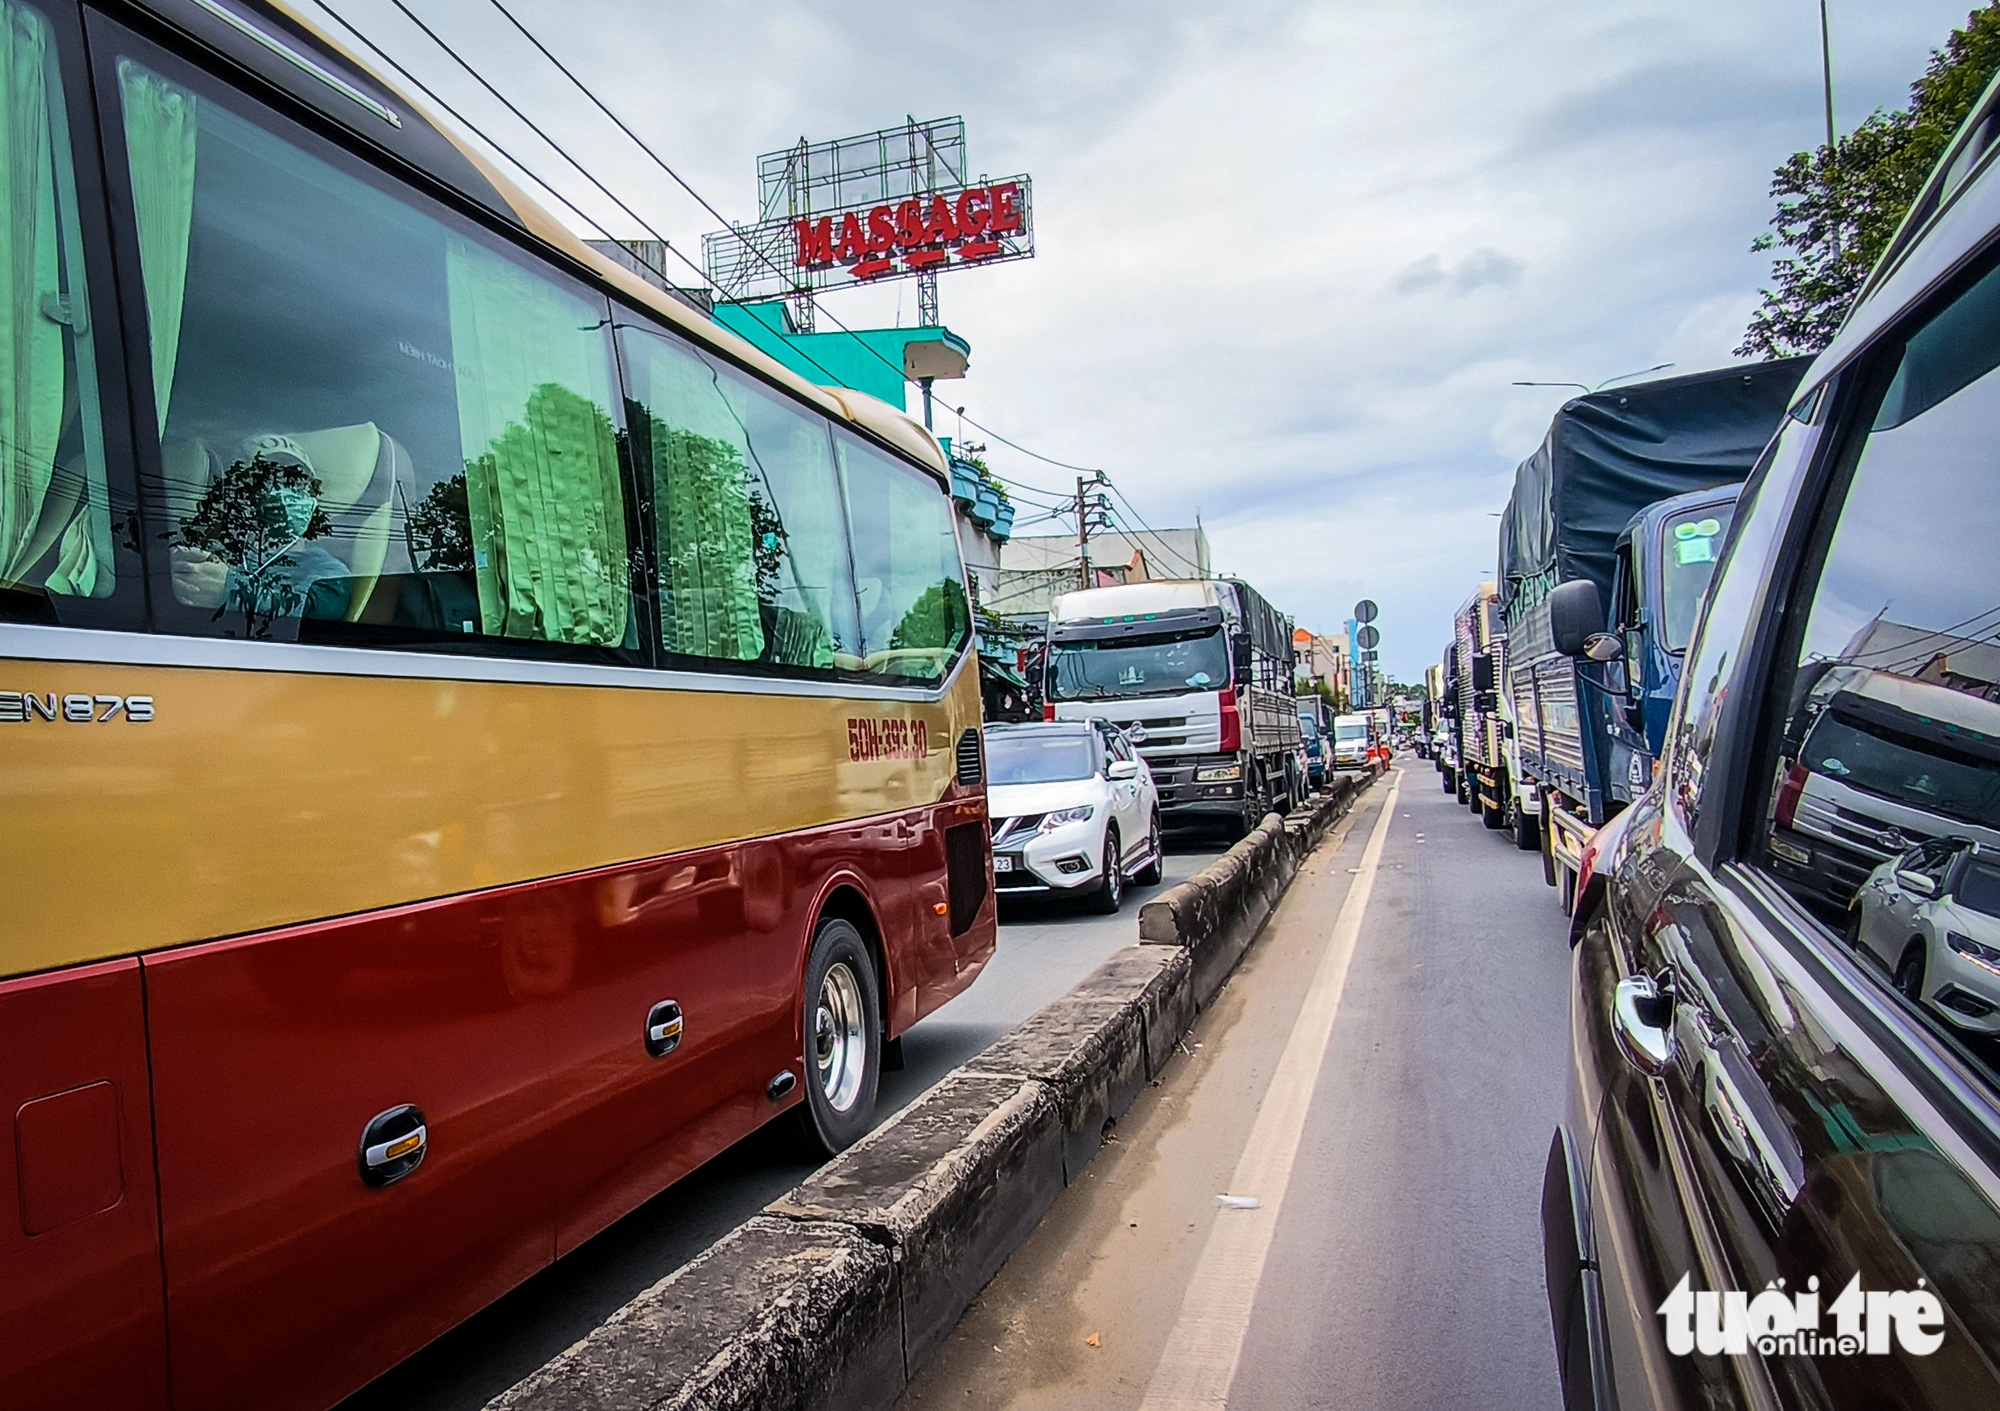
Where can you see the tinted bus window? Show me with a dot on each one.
(374, 427)
(55, 514)
(1888, 736)
(752, 545)
(914, 614)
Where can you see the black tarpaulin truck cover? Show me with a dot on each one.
(1610, 454)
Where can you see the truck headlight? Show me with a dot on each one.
(1062, 817)
(1220, 774)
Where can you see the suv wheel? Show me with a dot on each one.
(1156, 857)
(1109, 893)
(1910, 973)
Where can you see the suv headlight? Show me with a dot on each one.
(1062, 817)
(1221, 773)
(1972, 950)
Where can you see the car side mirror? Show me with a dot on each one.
(1576, 614)
(1917, 883)
(1603, 646)
(1123, 769)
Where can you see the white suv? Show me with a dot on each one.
(1074, 811)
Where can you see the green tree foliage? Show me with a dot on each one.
(441, 529)
(251, 517)
(1839, 207)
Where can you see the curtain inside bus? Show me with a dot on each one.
(54, 521)
(160, 125)
(541, 455)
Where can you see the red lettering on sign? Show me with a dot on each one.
(853, 245)
(815, 241)
(974, 214)
(881, 231)
(1007, 208)
(938, 224)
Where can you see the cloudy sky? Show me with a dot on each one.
(1290, 255)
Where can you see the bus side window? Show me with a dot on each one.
(378, 427)
(753, 563)
(914, 612)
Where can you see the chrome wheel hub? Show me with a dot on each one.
(840, 1037)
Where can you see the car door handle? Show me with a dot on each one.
(1641, 1028)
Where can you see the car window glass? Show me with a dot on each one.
(1978, 888)
(914, 613)
(1039, 758)
(752, 540)
(1715, 655)
(1887, 728)
(56, 541)
(374, 427)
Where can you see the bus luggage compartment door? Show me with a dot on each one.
(291, 1277)
(80, 1294)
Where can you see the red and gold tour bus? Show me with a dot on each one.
(476, 739)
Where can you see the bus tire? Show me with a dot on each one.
(843, 1038)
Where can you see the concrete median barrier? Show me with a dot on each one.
(1215, 914)
(777, 1315)
(950, 1186)
(841, 1289)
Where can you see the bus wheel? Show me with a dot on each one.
(843, 1039)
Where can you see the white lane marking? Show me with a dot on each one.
(1202, 1351)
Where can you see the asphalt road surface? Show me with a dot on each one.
(1374, 1091)
(1045, 948)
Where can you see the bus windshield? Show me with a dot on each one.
(1170, 664)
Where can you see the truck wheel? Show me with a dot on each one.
(1548, 843)
(1527, 830)
(1450, 779)
(1463, 783)
(843, 1057)
(1494, 816)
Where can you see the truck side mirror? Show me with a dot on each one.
(1240, 648)
(1576, 614)
(1482, 671)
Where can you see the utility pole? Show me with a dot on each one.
(1084, 506)
(1832, 149)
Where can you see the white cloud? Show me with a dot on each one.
(1292, 256)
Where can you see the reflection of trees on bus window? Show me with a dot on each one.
(752, 544)
(452, 403)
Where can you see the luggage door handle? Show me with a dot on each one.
(393, 1144)
(664, 1025)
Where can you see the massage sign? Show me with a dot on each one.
(967, 226)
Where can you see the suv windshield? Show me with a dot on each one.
(1692, 543)
(1170, 664)
(1932, 777)
(1043, 757)
(1979, 889)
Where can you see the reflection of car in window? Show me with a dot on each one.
(1931, 918)
(1886, 761)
